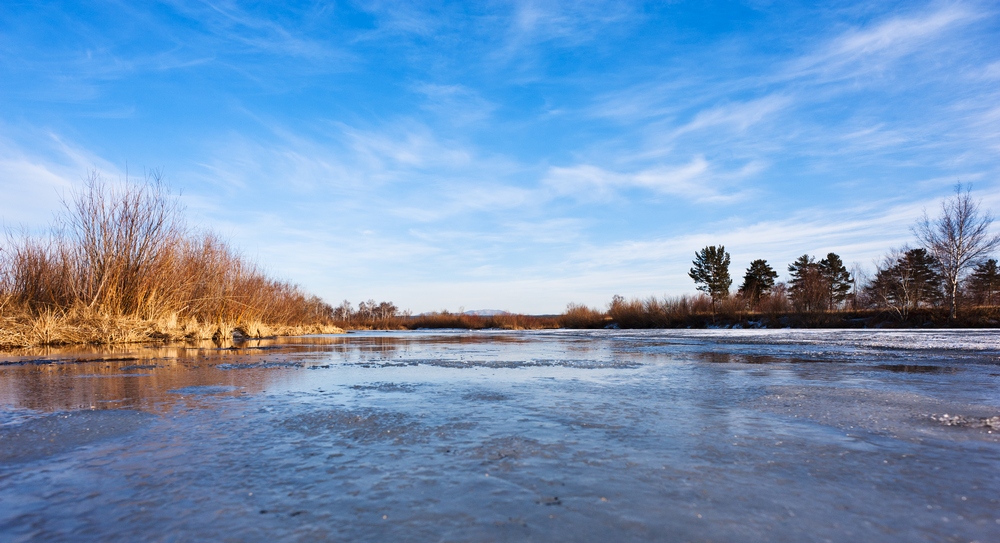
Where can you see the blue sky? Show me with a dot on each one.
(515, 155)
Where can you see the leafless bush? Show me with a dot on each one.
(580, 316)
(776, 303)
(668, 312)
(123, 253)
(504, 321)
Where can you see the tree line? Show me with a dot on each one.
(951, 264)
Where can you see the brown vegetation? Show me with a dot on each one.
(505, 321)
(774, 311)
(581, 316)
(120, 265)
(386, 316)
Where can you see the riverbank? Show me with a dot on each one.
(981, 317)
(83, 328)
(76, 327)
(582, 318)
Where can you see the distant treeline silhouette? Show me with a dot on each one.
(372, 315)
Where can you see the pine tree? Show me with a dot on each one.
(984, 283)
(890, 288)
(837, 279)
(925, 280)
(711, 272)
(808, 288)
(758, 281)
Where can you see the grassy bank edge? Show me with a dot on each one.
(71, 328)
(51, 329)
(632, 317)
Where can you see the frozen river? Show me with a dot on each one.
(509, 436)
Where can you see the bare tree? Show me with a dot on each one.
(958, 239)
(905, 279)
(858, 278)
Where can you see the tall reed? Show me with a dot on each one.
(121, 258)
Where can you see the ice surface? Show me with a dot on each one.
(717, 435)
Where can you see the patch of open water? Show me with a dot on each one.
(716, 435)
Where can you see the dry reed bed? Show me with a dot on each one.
(119, 265)
(445, 319)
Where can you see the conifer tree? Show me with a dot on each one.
(905, 280)
(758, 281)
(808, 288)
(836, 277)
(984, 283)
(711, 272)
(922, 270)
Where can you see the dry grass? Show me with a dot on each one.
(581, 317)
(507, 321)
(121, 266)
(445, 319)
(666, 312)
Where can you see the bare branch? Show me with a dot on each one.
(958, 239)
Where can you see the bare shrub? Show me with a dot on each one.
(120, 265)
(507, 321)
(776, 303)
(668, 312)
(581, 317)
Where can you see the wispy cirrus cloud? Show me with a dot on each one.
(39, 169)
(455, 104)
(737, 117)
(230, 23)
(574, 22)
(697, 181)
(861, 51)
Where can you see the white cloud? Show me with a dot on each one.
(861, 51)
(34, 181)
(737, 117)
(456, 104)
(574, 21)
(228, 21)
(696, 181)
(408, 146)
(991, 71)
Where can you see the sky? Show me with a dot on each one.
(509, 155)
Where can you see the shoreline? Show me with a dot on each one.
(71, 330)
(237, 335)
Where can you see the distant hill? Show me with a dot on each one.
(486, 312)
